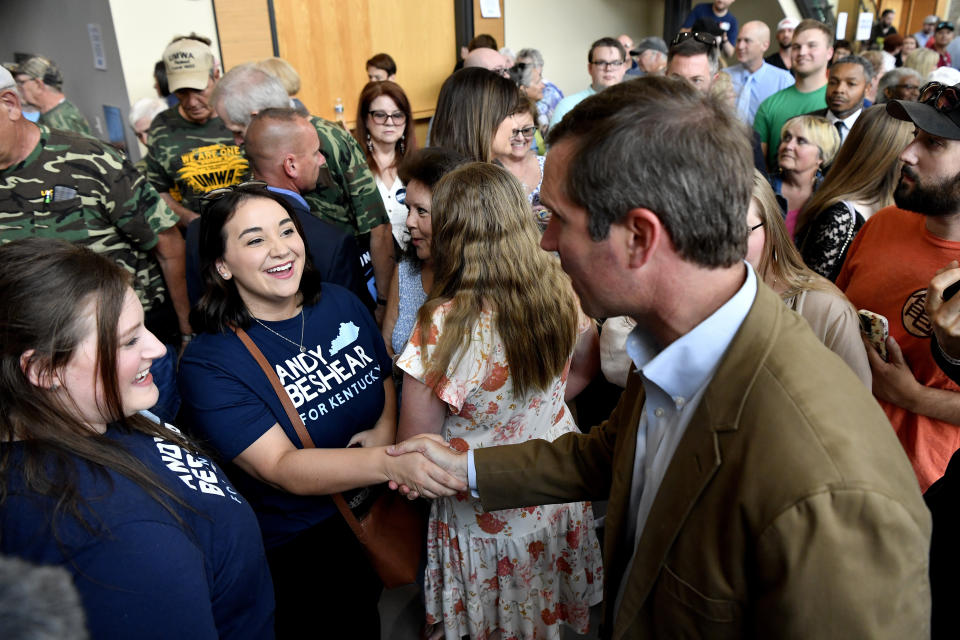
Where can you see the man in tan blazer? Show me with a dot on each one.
(755, 487)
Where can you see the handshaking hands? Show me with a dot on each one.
(438, 471)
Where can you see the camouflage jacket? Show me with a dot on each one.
(188, 159)
(79, 189)
(346, 193)
(66, 117)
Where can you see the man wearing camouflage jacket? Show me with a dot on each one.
(63, 185)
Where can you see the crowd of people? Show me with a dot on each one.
(205, 356)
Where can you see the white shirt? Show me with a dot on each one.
(674, 380)
(847, 122)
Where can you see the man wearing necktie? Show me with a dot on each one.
(755, 80)
(846, 87)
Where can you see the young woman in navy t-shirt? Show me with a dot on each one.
(327, 351)
(159, 543)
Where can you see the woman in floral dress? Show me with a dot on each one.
(498, 347)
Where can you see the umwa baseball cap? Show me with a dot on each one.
(189, 64)
(937, 111)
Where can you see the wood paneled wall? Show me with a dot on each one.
(329, 42)
(243, 27)
(490, 26)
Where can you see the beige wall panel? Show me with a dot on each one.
(563, 29)
(329, 41)
(244, 27)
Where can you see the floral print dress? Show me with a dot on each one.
(519, 571)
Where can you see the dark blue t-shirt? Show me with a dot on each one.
(705, 10)
(141, 574)
(336, 386)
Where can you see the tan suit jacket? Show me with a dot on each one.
(789, 509)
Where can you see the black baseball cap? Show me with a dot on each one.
(943, 124)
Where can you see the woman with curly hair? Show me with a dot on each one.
(499, 345)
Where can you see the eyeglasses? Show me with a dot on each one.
(526, 132)
(381, 117)
(907, 87)
(215, 194)
(703, 38)
(756, 226)
(606, 66)
(941, 97)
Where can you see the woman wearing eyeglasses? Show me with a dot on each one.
(517, 156)
(331, 363)
(385, 131)
(776, 260)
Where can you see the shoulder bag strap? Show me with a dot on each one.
(292, 414)
(298, 425)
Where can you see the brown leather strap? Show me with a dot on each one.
(292, 414)
(298, 425)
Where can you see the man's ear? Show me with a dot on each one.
(644, 235)
(290, 168)
(11, 101)
(37, 377)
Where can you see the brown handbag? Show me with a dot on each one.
(390, 527)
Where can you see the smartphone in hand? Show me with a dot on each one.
(876, 328)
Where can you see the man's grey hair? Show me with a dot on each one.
(146, 108)
(868, 70)
(892, 78)
(522, 73)
(39, 603)
(533, 55)
(245, 90)
(660, 144)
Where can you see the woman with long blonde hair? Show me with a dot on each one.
(861, 182)
(778, 263)
(498, 347)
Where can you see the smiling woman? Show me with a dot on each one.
(327, 352)
(144, 522)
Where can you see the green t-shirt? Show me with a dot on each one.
(79, 189)
(66, 117)
(774, 112)
(346, 194)
(186, 159)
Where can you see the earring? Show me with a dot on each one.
(54, 386)
(403, 147)
(222, 273)
(369, 144)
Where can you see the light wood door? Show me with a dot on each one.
(329, 42)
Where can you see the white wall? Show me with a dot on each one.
(563, 29)
(144, 29)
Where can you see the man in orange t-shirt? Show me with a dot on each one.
(889, 265)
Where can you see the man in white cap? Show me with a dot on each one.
(784, 34)
(191, 151)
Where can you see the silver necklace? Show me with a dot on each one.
(283, 337)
